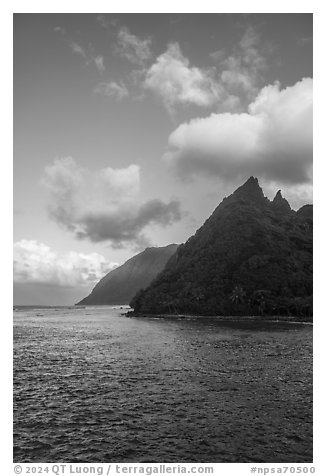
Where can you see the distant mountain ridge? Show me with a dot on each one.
(121, 284)
(252, 256)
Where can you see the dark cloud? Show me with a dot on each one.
(121, 228)
(106, 205)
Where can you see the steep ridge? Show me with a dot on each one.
(252, 256)
(121, 284)
(306, 211)
(280, 204)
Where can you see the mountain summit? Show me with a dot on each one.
(280, 204)
(251, 190)
(252, 256)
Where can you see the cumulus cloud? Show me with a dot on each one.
(36, 262)
(104, 205)
(112, 89)
(228, 84)
(272, 140)
(175, 81)
(131, 47)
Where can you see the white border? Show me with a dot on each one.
(168, 6)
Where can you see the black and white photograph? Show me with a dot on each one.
(163, 240)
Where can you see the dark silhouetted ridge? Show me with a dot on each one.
(121, 284)
(251, 190)
(251, 256)
(306, 211)
(280, 204)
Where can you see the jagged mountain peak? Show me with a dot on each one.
(280, 203)
(251, 256)
(250, 190)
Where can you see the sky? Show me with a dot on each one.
(129, 129)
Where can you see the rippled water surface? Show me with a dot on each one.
(91, 385)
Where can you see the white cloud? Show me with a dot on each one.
(176, 82)
(104, 205)
(131, 47)
(228, 85)
(273, 140)
(87, 55)
(99, 63)
(106, 23)
(36, 262)
(241, 72)
(76, 48)
(112, 89)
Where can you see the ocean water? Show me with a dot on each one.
(91, 385)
